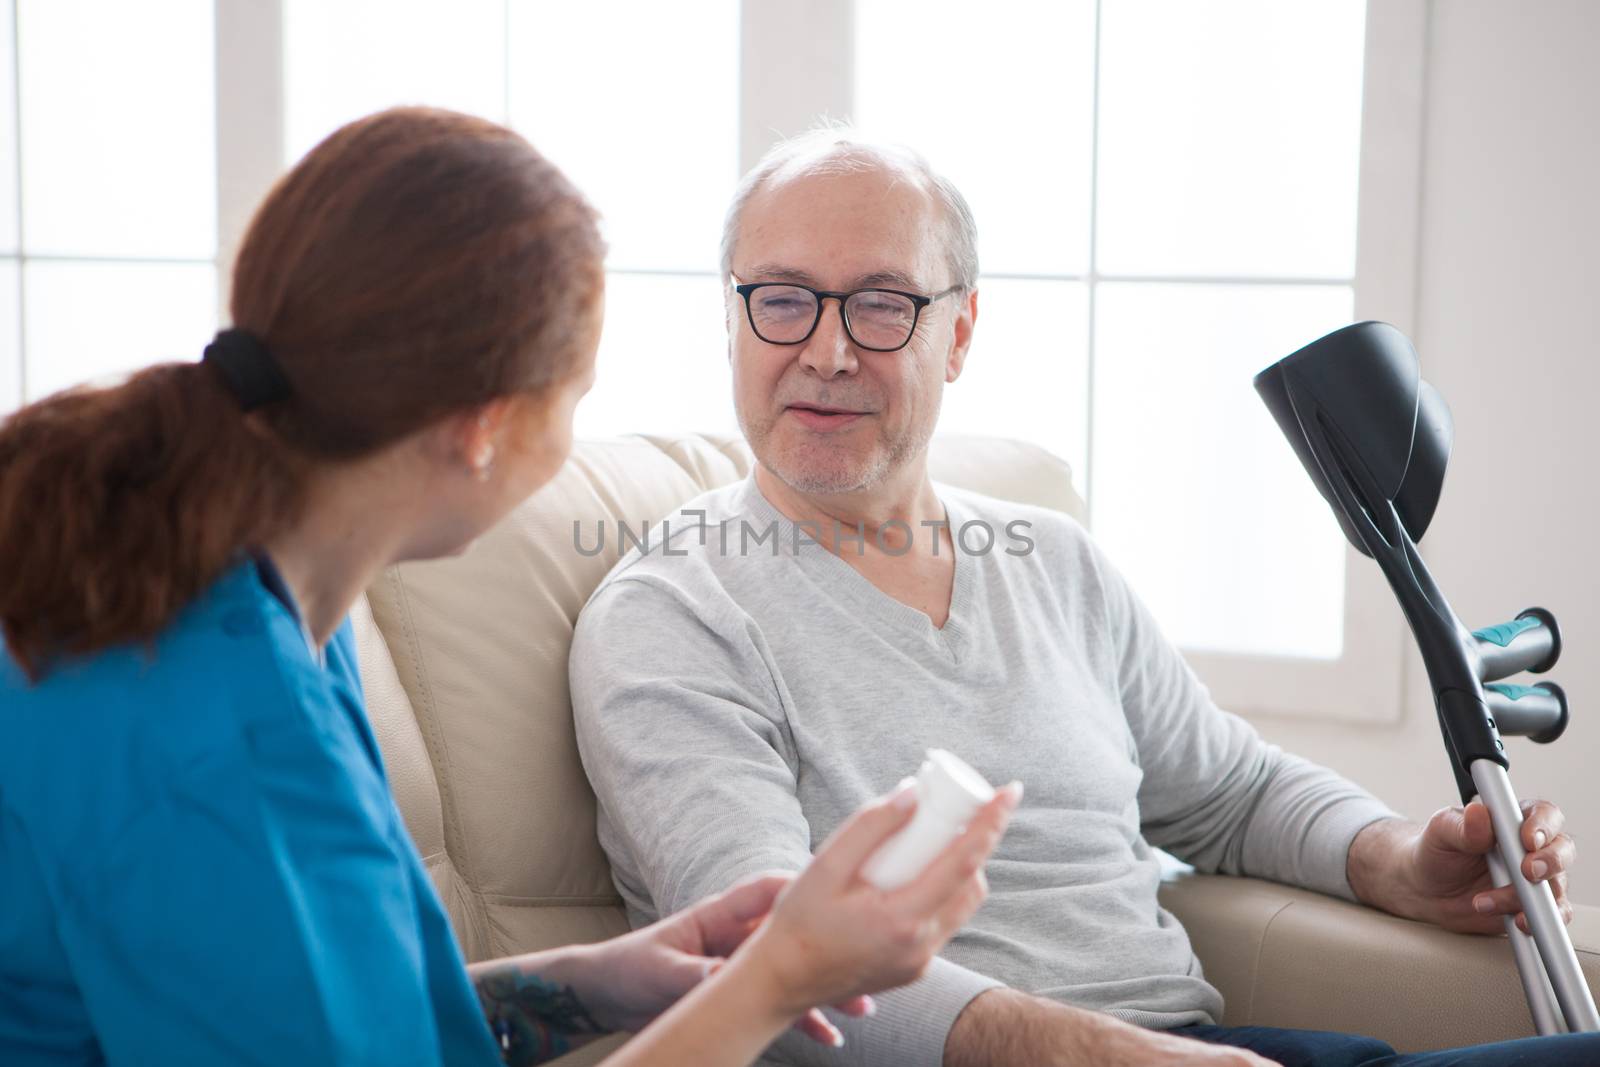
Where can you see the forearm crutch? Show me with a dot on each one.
(1375, 439)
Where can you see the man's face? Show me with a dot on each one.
(826, 416)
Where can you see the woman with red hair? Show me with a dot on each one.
(200, 859)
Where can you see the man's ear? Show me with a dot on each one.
(966, 320)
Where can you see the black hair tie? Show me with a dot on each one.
(247, 369)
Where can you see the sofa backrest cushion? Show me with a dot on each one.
(464, 661)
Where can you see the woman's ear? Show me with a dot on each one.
(474, 437)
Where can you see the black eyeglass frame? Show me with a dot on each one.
(918, 302)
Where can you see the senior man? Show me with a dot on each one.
(804, 636)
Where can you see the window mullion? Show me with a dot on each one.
(19, 373)
(1388, 212)
(250, 123)
(1092, 294)
(796, 65)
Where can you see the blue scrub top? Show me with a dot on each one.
(201, 862)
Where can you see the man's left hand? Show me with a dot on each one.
(1437, 873)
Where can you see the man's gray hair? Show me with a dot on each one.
(839, 149)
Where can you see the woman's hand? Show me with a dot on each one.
(824, 937)
(830, 937)
(833, 936)
(633, 978)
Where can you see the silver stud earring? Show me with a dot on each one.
(483, 464)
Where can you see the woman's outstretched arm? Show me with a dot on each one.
(544, 1004)
(714, 985)
(533, 1006)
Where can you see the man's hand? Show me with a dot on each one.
(1437, 873)
(1004, 1028)
(642, 974)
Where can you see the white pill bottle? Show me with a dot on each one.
(949, 793)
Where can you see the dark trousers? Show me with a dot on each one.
(1320, 1048)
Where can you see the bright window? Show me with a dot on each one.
(1198, 498)
(107, 248)
(1000, 99)
(1230, 135)
(118, 129)
(1166, 195)
(93, 319)
(1162, 211)
(10, 211)
(9, 208)
(347, 58)
(655, 145)
(637, 101)
(10, 335)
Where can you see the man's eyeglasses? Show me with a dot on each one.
(878, 320)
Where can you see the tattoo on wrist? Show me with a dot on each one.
(532, 1020)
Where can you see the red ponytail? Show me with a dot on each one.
(414, 264)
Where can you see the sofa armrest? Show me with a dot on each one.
(1293, 958)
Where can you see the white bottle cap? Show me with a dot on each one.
(947, 782)
(949, 793)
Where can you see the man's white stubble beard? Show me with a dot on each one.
(835, 473)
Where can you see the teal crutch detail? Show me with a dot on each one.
(1503, 634)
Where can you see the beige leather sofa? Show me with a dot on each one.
(464, 662)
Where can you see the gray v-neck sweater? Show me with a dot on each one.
(736, 699)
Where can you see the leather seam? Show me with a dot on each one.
(511, 900)
(662, 448)
(438, 750)
(1255, 967)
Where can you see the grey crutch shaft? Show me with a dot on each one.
(1535, 983)
(1538, 903)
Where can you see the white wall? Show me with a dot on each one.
(1508, 328)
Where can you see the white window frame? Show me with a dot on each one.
(18, 374)
(797, 62)
(805, 56)
(1367, 683)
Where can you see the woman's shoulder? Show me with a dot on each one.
(229, 664)
(224, 632)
